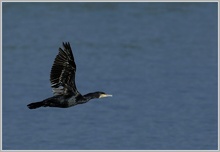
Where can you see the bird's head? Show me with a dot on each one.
(102, 94)
(97, 94)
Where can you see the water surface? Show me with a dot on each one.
(159, 60)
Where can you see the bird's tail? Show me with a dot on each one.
(35, 105)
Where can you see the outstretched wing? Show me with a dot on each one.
(62, 75)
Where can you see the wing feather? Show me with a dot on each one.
(62, 75)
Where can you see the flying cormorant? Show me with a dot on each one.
(62, 79)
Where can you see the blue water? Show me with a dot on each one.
(159, 60)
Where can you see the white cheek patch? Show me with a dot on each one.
(105, 95)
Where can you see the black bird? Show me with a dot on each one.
(62, 78)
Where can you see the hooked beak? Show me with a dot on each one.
(105, 95)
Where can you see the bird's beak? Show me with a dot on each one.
(105, 95)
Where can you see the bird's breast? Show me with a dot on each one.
(72, 101)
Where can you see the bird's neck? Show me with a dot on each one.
(90, 96)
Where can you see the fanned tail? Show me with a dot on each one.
(49, 102)
(35, 105)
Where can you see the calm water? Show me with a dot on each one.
(159, 60)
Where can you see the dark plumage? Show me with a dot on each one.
(62, 78)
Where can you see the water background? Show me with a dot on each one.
(159, 60)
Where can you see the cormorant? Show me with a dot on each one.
(62, 78)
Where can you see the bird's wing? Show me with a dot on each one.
(62, 75)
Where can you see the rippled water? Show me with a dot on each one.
(159, 60)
